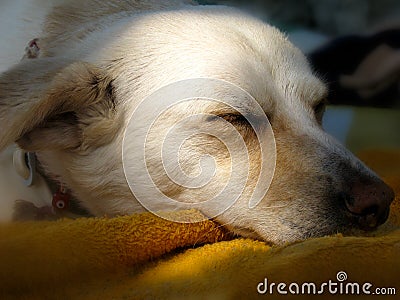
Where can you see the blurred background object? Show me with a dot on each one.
(331, 17)
(354, 46)
(361, 70)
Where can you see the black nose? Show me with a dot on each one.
(368, 203)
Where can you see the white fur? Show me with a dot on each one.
(145, 45)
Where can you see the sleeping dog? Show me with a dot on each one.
(95, 62)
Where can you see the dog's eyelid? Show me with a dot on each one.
(243, 118)
(232, 117)
(319, 109)
(318, 106)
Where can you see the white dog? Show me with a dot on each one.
(97, 60)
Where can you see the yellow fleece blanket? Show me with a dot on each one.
(145, 257)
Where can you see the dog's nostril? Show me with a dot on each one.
(360, 207)
(368, 222)
(371, 210)
(373, 220)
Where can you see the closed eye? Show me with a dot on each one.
(319, 110)
(230, 117)
(233, 118)
(237, 119)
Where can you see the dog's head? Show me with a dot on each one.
(75, 116)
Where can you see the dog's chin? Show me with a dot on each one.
(245, 233)
(298, 232)
(288, 237)
(276, 239)
(298, 236)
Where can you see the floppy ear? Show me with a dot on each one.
(52, 104)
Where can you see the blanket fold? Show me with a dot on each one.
(146, 257)
(36, 255)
